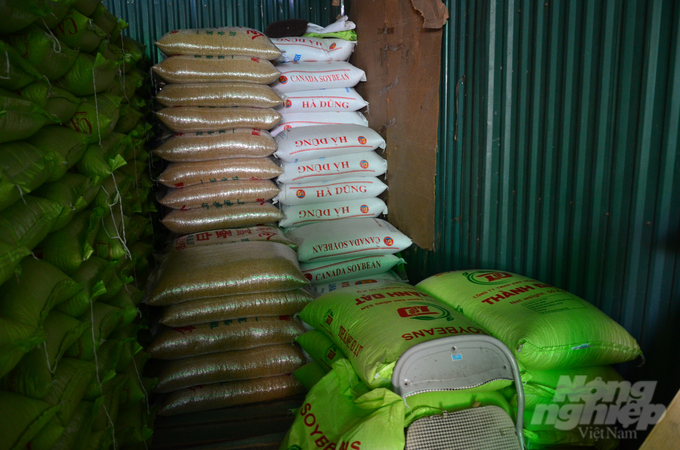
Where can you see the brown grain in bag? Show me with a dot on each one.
(216, 69)
(214, 145)
(182, 175)
(219, 94)
(220, 194)
(187, 119)
(218, 41)
(237, 216)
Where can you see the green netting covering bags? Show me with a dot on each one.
(20, 117)
(341, 412)
(30, 297)
(46, 53)
(320, 348)
(67, 193)
(96, 117)
(79, 31)
(32, 376)
(89, 74)
(375, 324)
(66, 142)
(69, 247)
(54, 101)
(544, 326)
(21, 418)
(23, 168)
(94, 274)
(16, 339)
(102, 160)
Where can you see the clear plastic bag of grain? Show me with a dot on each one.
(234, 393)
(231, 307)
(219, 94)
(214, 145)
(216, 69)
(210, 271)
(224, 335)
(218, 41)
(218, 217)
(223, 193)
(229, 236)
(182, 175)
(191, 119)
(233, 365)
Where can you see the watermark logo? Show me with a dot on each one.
(362, 140)
(283, 79)
(300, 193)
(424, 312)
(364, 164)
(364, 209)
(599, 409)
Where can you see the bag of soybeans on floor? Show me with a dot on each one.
(375, 324)
(545, 327)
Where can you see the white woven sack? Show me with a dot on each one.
(305, 119)
(333, 168)
(347, 237)
(301, 48)
(323, 100)
(305, 76)
(324, 272)
(298, 215)
(305, 143)
(332, 191)
(321, 289)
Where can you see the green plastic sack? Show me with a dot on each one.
(23, 168)
(16, 339)
(320, 348)
(132, 426)
(64, 141)
(136, 388)
(375, 324)
(113, 287)
(18, 73)
(48, 436)
(93, 274)
(79, 32)
(310, 374)
(107, 360)
(56, 102)
(10, 256)
(126, 84)
(107, 413)
(96, 117)
(19, 117)
(67, 193)
(104, 319)
(30, 297)
(104, 19)
(32, 376)
(21, 419)
(348, 35)
(46, 53)
(69, 247)
(18, 14)
(27, 222)
(132, 47)
(57, 11)
(80, 426)
(113, 189)
(129, 350)
(341, 412)
(89, 74)
(71, 379)
(110, 240)
(545, 327)
(102, 160)
(129, 118)
(86, 7)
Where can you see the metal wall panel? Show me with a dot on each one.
(151, 19)
(566, 164)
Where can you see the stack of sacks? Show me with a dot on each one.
(218, 105)
(345, 252)
(73, 224)
(229, 331)
(552, 334)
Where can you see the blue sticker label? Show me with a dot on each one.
(456, 357)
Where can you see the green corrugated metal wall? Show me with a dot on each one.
(566, 164)
(558, 149)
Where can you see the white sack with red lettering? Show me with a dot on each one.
(305, 119)
(298, 215)
(323, 100)
(333, 168)
(332, 191)
(305, 143)
(303, 48)
(344, 238)
(346, 269)
(306, 76)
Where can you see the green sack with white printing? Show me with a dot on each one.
(341, 412)
(375, 324)
(545, 327)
